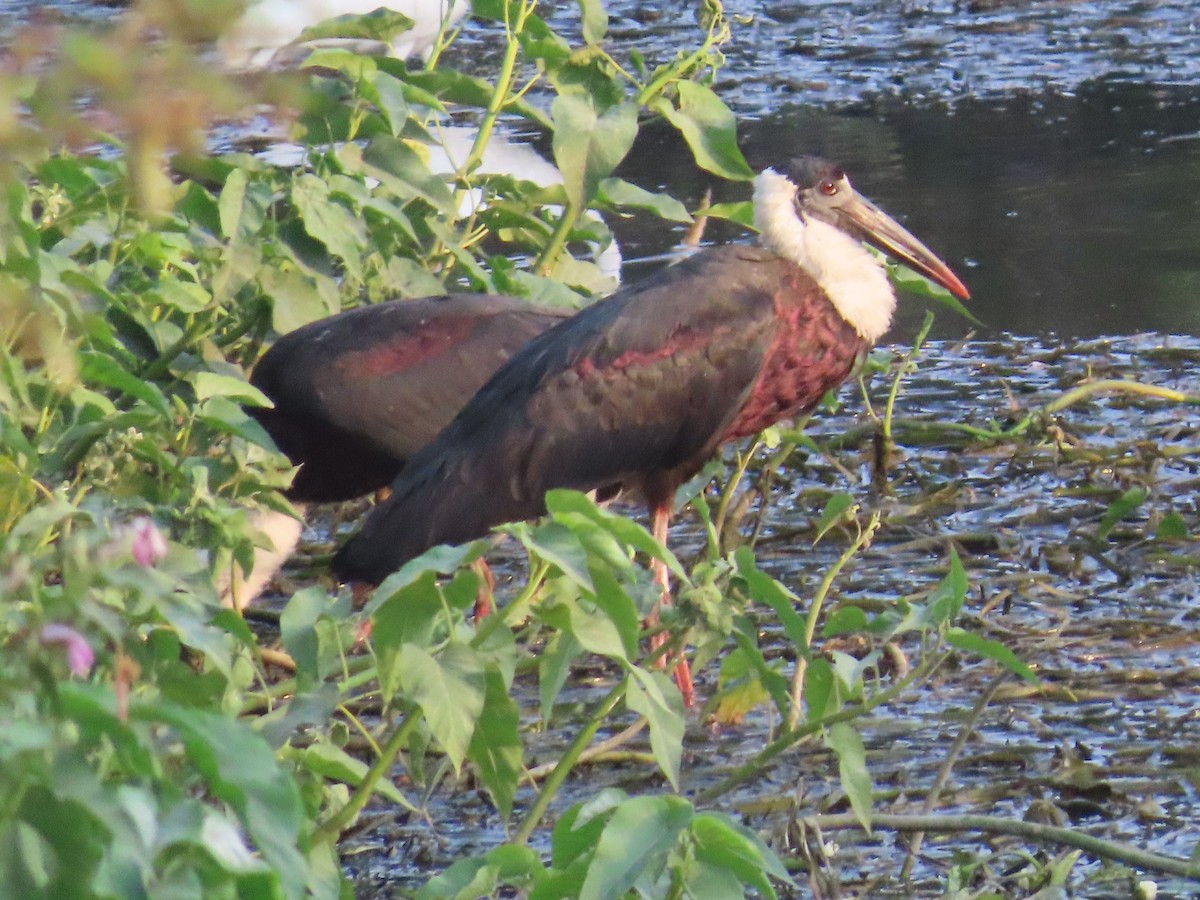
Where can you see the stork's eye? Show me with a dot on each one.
(828, 187)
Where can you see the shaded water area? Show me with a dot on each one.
(1051, 152)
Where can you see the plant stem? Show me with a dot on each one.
(568, 761)
(743, 462)
(331, 828)
(943, 774)
(558, 239)
(792, 736)
(1044, 834)
(907, 366)
(814, 611)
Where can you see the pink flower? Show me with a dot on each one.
(149, 545)
(79, 652)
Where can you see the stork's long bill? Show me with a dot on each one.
(880, 230)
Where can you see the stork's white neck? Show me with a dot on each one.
(854, 279)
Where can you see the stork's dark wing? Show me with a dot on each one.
(357, 394)
(641, 384)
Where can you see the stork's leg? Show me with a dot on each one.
(660, 515)
(487, 589)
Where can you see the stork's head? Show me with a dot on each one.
(813, 216)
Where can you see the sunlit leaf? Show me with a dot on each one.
(213, 384)
(852, 767)
(636, 839)
(946, 600)
(836, 510)
(333, 762)
(710, 129)
(595, 20)
(989, 649)
(589, 145)
(618, 192)
(1119, 509)
(450, 689)
(654, 695)
(496, 748)
(732, 846)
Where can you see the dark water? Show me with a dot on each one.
(1049, 150)
(1078, 215)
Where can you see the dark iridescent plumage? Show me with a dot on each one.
(638, 390)
(357, 394)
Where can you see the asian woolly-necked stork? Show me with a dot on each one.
(358, 393)
(640, 389)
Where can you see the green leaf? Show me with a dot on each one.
(852, 767)
(242, 770)
(237, 218)
(382, 25)
(710, 129)
(558, 545)
(576, 833)
(587, 145)
(450, 690)
(335, 763)
(496, 747)
(845, 620)
(765, 589)
(725, 843)
(562, 504)
(906, 279)
(406, 616)
(298, 298)
(1171, 528)
(989, 649)
(554, 665)
(1119, 509)
(835, 511)
(619, 192)
(634, 843)
(297, 627)
(387, 92)
(821, 696)
(947, 598)
(480, 876)
(100, 368)
(595, 20)
(655, 696)
(739, 211)
(593, 627)
(212, 384)
(329, 222)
